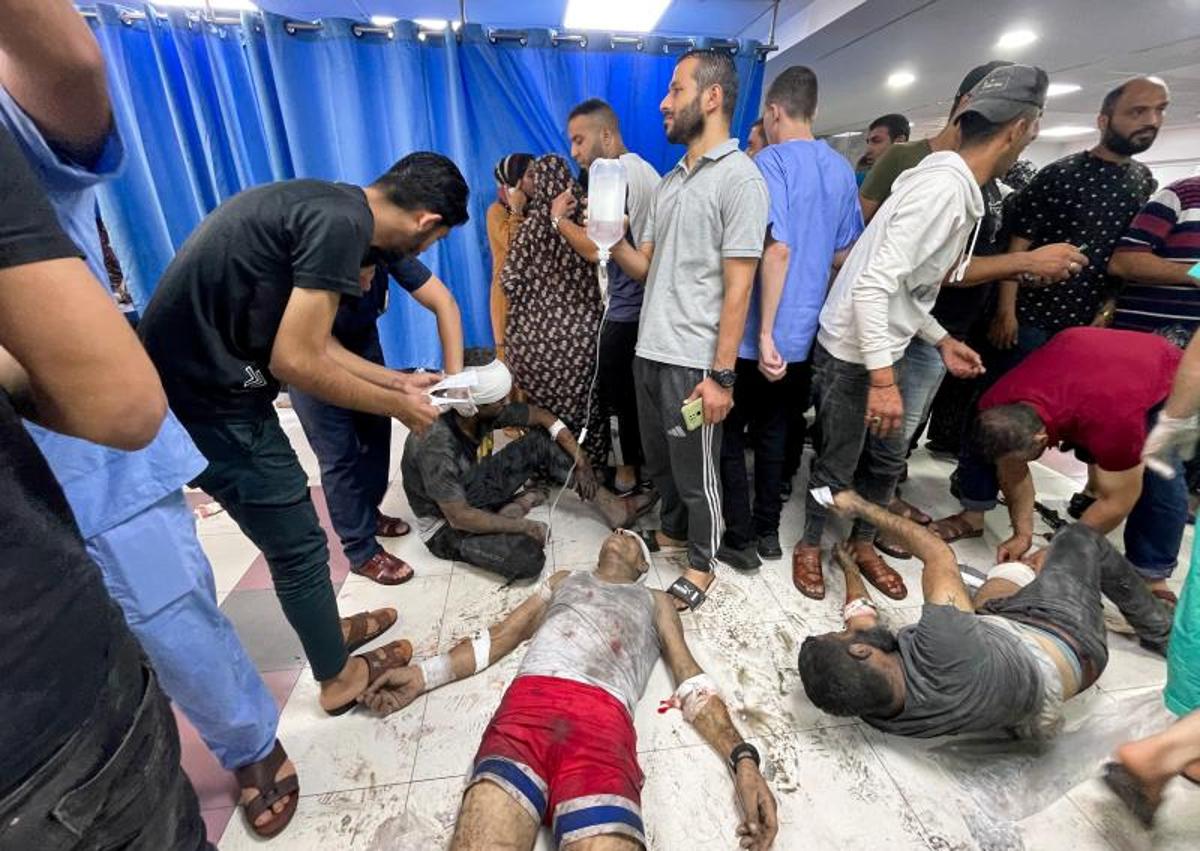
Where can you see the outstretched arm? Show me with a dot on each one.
(708, 714)
(940, 580)
(401, 686)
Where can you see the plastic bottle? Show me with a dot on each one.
(606, 212)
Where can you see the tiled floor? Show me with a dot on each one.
(395, 783)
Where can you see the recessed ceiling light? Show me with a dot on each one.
(383, 20)
(1056, 89)
(901, 79)
(1016, 38)
(1064, 130)
(638, 16)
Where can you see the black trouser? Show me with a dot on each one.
(116, 782)
(353, 449)
(1065, 597)
(254, 474)
(616, 389)
(491, 484)
(767, 409)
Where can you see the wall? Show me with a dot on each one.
(1174, 155)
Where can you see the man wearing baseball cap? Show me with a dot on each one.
(922, 235)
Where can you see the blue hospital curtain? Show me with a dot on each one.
(207, 110)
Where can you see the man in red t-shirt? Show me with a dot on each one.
(1094, 391)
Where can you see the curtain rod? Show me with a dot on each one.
(494, 35)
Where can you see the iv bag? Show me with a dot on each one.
(606, 203)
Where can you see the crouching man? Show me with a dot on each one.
(1029, 641)
(472, 509)
(561, 748)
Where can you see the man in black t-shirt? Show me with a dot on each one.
(250, 301)
(86, 729)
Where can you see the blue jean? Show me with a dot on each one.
(354, 451)
(156, 571)
(924, 370)
(1153, 529)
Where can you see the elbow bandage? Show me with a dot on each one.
(1016, 572)
(858, 607)
(556, 428)
(482, 644)
(437, 671)
(691, 696)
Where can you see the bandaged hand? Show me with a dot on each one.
(1171, 442)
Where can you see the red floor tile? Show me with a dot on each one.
(215, 786)
(215, 821)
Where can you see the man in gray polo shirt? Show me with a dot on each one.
(702, 241)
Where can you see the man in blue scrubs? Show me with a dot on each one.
(130, 506)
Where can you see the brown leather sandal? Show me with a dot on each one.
(877, 571)
(385, 568)
(261, 776)
(357, 628)
(909, 512)
(806, 572)
(379, 661)
(954, 528)
(391, 527)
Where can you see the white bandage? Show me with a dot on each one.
(858, 607)
(482, 643)
(556, 428)
(693, 694)
(544, 591)
(1016, 572)
(436, 671)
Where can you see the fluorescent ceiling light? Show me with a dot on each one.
(437, 24)
(217, 5)
(901, 79)
(637, 16)
(1064, 130)
(1016, 38)
(383, 20)
(847, 134)
(1056, 89)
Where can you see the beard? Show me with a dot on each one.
(687, 124)
(1127, 146)
(879, 637)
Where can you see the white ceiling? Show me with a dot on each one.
(853, 45)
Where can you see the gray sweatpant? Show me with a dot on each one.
(684, 465)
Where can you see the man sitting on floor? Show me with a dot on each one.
(562, 748)
(468, 508)
(1031, 638)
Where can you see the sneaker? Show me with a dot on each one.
(769, 549)
(739, 559)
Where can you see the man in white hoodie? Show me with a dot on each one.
(882, 299)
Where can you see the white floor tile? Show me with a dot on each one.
(1176, 825)
(230, 556)
(418, 603)
(358, 819)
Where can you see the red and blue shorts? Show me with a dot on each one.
(566, 752)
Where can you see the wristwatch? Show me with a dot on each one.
(554, 220)
(744, 751)
(725, 377)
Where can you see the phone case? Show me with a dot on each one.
(693, 414)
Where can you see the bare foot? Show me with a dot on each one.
(1138, 759)
(286, 769)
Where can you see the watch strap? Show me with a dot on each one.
(745, 750)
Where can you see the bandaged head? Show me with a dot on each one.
(472, 387)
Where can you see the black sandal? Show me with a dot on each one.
(261, 776)
(689, 593)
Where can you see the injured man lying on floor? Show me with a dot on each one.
(561, 748)
(471, 508)
(1032, 637)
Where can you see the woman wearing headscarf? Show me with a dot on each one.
(514, 182)
(554, 312)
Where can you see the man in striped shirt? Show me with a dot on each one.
(1153, 258)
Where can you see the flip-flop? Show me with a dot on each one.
(379, 661)
(689, 593)
(875, 570)
(261, 776)
(1131, 791)
(360, 633)
(957, 529)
